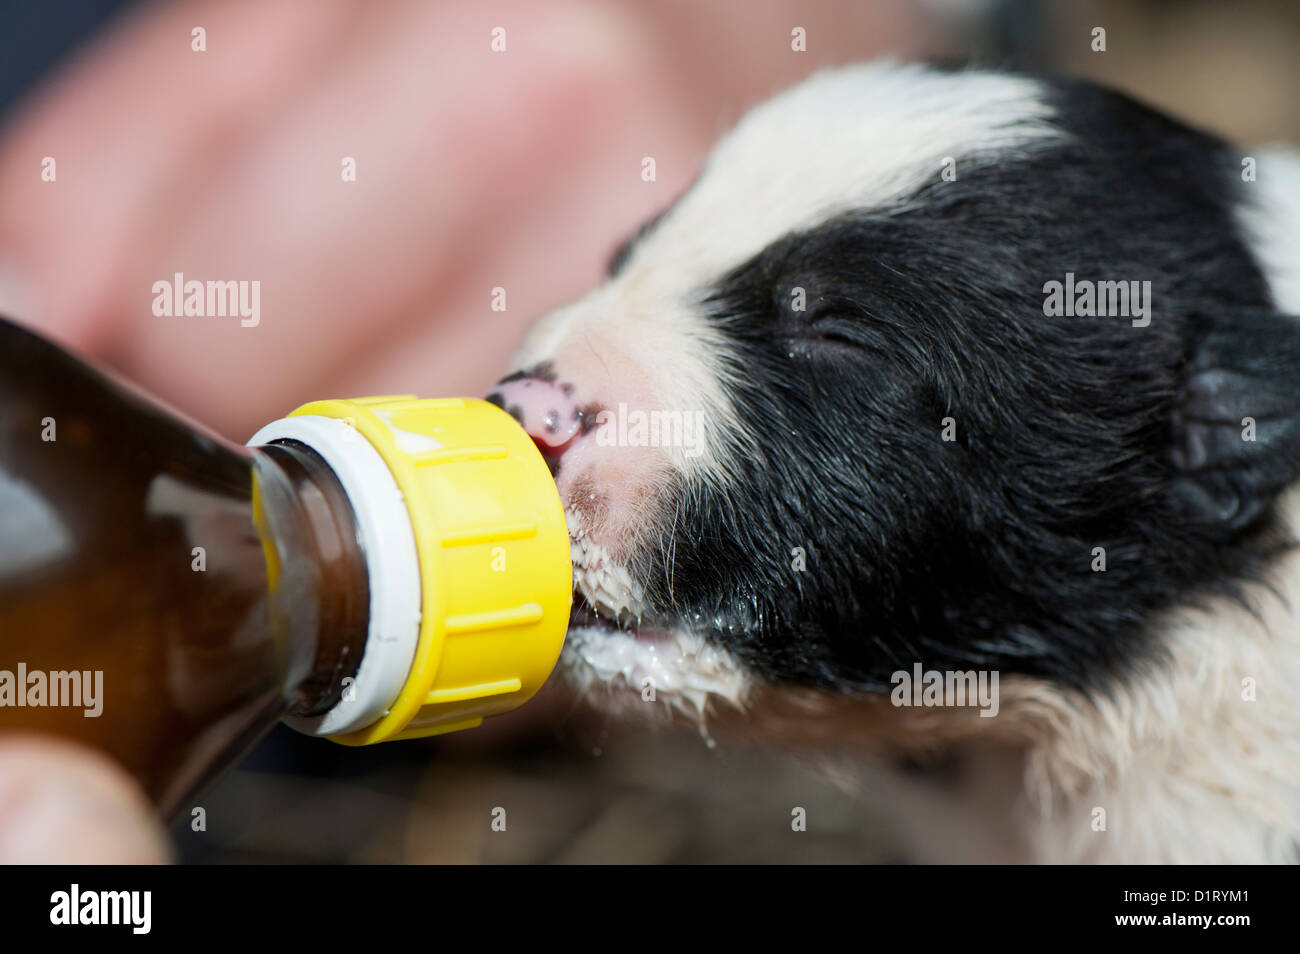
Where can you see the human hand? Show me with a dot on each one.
(475, 170)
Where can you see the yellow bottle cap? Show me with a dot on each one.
(491, 547)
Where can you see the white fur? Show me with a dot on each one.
(1271, 222)
(683, 673)
(856, 137)
(1186, 766)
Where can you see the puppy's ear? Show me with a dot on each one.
(1236, 422)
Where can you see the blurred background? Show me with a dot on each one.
(475, 170)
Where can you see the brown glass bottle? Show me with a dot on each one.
(130, 547)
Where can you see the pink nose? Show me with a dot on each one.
(544, 409)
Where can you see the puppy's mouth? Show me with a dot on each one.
(619, 651)
(586, 616)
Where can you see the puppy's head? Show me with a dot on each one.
(819, 423)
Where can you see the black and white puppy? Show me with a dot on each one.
(992, 373)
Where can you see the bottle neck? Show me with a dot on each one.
(319, 586)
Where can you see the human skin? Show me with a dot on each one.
(61, 803)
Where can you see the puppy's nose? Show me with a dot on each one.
(544, 409)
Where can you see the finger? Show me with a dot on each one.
(64, 804)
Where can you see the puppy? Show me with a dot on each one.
(967, 373)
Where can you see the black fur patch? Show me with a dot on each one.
(1072, 432)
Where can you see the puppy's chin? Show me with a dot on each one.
(673, 675)
(657, 672)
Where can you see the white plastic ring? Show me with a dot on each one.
(392, 565)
